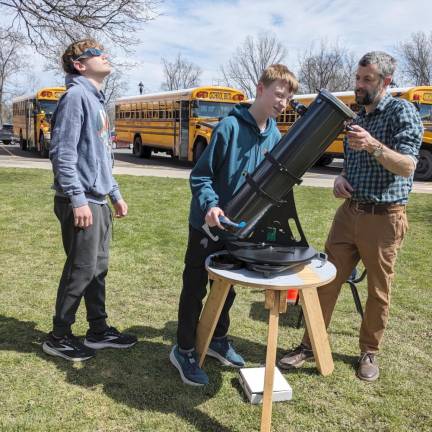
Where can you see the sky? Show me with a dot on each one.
(207, 32)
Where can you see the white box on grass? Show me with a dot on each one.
(252, 381)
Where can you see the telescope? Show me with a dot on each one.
(263, 214)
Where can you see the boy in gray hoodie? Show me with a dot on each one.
(81, 157)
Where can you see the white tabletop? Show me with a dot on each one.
(313, 274)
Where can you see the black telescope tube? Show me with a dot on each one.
(295, 153)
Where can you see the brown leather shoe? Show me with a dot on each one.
(295, 358)
(368, 369)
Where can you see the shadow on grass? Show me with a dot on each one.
(288, 319)
(345, 358)
(291, 319)
(141, 378)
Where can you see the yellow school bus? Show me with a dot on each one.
(32, 117)
(421, 97)
(177, 122)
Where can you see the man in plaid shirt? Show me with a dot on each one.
(381, 153)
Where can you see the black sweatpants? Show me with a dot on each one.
(86, 266)
(195, 279)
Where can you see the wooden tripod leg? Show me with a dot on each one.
(210, 316)
(316, 330)
(273, 299)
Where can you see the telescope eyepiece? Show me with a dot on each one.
(298, 107)
(349, 124)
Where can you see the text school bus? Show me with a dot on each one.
(177, 122)
(421, 97)
(32, 117)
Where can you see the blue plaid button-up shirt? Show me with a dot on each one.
(397, 124)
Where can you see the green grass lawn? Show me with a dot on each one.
(138, 389)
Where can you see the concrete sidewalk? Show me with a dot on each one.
(124, 168)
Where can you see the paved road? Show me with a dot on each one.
(161, 166)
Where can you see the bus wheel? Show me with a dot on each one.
(137, 148)
(22, 142)
(42, 148)
(198, 150)
(324, 160)
(146, 152)
(424, 165)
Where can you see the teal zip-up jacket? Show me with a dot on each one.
(236, 145)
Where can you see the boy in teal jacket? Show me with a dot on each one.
(238, 144)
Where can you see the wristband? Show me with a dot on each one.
(378, 151)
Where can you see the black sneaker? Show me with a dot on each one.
(110, 338)
(67, 347)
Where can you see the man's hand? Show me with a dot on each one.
(342, 188)
(360, 139)
(121, 208)
(212, 217)
(83, 217)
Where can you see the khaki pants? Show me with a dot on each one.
(375, 239)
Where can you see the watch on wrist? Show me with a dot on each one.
(378, 151)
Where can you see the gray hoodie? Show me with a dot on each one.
(80, 149)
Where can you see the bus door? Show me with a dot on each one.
(36, 122)
(28, 124)
(184, 129)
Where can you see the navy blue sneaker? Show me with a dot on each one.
(187, 365)
(222, 349)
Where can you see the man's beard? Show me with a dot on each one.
(368, 98)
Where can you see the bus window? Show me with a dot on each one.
(210, 109)
(425, 112)
(47, 107)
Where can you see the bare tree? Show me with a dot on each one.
(115, 85)
(180, 74)
(47, 23)
(328, 66)
(11, 61)
(416, 56)
(7, 112)
(245, 67)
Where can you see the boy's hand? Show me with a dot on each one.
(212, 217)
(342, 188)
(83, 217)
(121, 208)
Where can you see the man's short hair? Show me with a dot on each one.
(74, 50)
(386, 64)
(279, 72)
